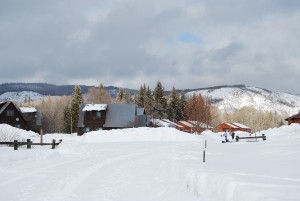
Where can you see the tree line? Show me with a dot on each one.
(60, 114)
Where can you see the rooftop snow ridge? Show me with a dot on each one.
(94, 107)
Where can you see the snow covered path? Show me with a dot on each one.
(110, 171)
(154, 165)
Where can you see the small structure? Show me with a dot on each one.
(185, 126)
(32, 117)
(232, 127)
(294, 119)
(112, 116)
(9, 114)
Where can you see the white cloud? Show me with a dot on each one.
(131, 42)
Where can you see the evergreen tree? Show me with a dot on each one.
(141, 96)
(121, 96)
(173, 106)
(182, 104)
(148, 102)
(160, 102)
(77, 99)
(67, 119)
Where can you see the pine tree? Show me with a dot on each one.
(77, 99)
(160, 102)
(148, 101)
(173, 106)
(121, 96)
(67, 119)
(141, 96)
(182, 104)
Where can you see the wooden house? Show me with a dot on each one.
(9, 114)
(32, 117)
(91, 117)
(293, 119)
(112, 116)
(232, 127)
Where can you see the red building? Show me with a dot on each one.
(232, 127)
(293, 119)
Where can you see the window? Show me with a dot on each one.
(87, 129)
(10, 113)
(18, 125)
(98, 114)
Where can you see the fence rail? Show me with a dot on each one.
(29, 143)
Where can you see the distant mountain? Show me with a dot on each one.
(51, 89)
(230, 98)
(22, 96)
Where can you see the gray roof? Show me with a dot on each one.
(124, 115)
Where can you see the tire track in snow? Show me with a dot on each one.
(78, 179)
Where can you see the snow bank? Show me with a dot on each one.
(9, 133)
(139, 134)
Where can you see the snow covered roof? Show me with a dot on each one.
(231, 125)
(172, 123)
(94, 107)
(201, 124)
(240, 125)
(27, 109)
(159, 122)
(187, 124)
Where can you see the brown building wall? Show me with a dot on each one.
(291, 121)
(93, 122)
(12, 120)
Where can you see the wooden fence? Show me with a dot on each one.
(29, 143)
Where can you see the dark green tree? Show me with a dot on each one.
(141, 96)
(148, 101)
(67, 119)
(182, 103)
(160, 102)
(77, 100)
(173, 106)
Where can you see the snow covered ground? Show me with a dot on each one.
(153, 164)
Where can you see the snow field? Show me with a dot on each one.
(150, 164)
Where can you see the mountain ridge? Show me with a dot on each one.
(227, 98)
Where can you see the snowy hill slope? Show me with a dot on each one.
(230, 98)
(21, 96)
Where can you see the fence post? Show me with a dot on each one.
(53, 144)
(237, 138)
(264, 137)
(15, 144)
(41, 136)
(204, 156)
(28, 144)
(205, 143)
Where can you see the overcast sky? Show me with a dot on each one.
(182, 43)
